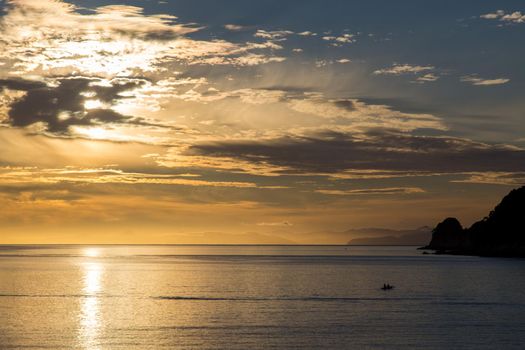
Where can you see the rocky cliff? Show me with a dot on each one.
(501, 233)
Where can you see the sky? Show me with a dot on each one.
(233, 121)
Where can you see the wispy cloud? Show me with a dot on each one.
(429, 77)
(275, 224)
(362, 116)
(234, 27)
(503, 16)
(353, 114)
(476, 80)
(340, 40)
(307, 33)
(399, 69)
(31, 175)
(373, 191)
(276, 35)
(494, 178)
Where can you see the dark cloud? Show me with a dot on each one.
(378, 191)
(61, 105)
(105, 116)
(333, 152)
(346, 104)
(161, 35)
(113, 92)
(21, 84)
(151, 35)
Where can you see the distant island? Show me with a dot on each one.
(501, 233)
(416, 237)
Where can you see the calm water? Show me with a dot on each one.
(257, 297)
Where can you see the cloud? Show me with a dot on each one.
(399, 69)
(177, 158)
(325, 63)
(282, 115)
(40, 35)
(242, 61)
(115, 19)
(503, 16)
(339, 40)
(64, 103)
(427, 78)
(234, 27)
(275, 224)
(277, 35)
(496, 15)
(307, 33)
(373, 191)
(475, 80)
(72, 175)
(494, 178)
(349, 113)
(338, 153)
(359, 115)
(45, 37)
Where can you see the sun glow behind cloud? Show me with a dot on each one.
(51, 38)
(93, 104)
(113, 40)
(97, 133)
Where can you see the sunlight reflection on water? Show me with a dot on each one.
(91, 252)
(90, 320)
(258, 297)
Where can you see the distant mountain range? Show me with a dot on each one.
(381, 236)
(501, 233)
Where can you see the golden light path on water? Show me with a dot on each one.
(90, 319)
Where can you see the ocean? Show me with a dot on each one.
(257, 297)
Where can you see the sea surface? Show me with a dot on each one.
(257, 297)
